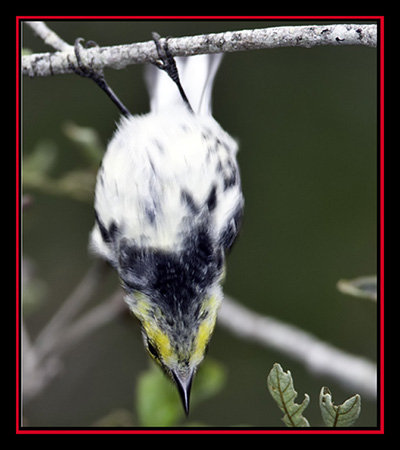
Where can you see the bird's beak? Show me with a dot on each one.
(184, 384)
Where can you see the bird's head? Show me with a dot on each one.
(176, 295)
(177, 344)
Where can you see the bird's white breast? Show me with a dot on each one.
(151, 164)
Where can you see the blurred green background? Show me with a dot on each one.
(306, 122)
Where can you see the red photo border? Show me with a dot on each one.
(380, 429)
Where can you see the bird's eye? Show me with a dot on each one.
(152, 350)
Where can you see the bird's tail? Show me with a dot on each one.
(196, 73)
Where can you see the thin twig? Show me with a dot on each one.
(48, 36)
(121, 56)
(42, 358)
(320, 357)
(97, 317)
(48, 338)
(40, 365)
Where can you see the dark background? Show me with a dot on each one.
(306, 122)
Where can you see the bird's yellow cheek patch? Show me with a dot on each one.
(147, 316)
(203, 337)
(160, 340)
(139, 305)
(206, 328)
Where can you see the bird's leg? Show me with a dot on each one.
(87, 71)
(167, 63)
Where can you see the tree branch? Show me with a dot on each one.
(320, 357)
(42, 357)
(48, 36)
(121, 56)
(47, 340)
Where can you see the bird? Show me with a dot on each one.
(168, 206)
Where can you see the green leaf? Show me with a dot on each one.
(209, 380)
(343, 415)
(88, 140)
(158, 402)
(41, 160)
(365, 287)
(280, 385)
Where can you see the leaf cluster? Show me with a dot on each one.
(281, 387)
(78, 184)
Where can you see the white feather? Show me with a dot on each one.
(196, 74)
